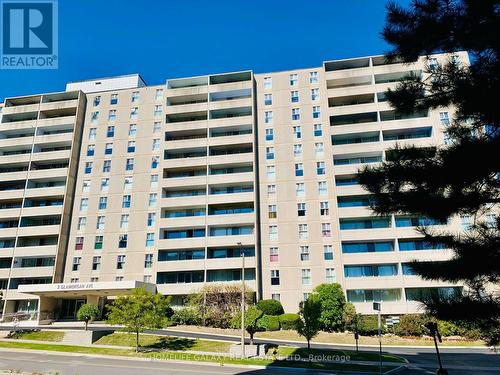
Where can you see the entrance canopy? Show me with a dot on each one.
(98, 289)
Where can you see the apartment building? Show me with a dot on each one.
(114, 184)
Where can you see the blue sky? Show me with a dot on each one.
(165, 39)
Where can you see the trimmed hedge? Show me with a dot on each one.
(269, 323)
(270, 307)
(368, 325)
(289, 321)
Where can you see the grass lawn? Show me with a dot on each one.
(360, 356)
(54, 336)
(166, 355)
(164, 342)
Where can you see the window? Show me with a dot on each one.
(300, 189)
(301, 209)
(114, 99)
(84, 204)
(135, 96)
(155, 161)
(120, 262)
(74, 280)
(268, 99)
(273, 232)
(132, 130)
(318, 130)
(294, 78)
(79, 243)
(98, 242)
(106, 166)
(131, 146)
(272, 213)
(365, 223)
(326, 229)
(158, 110)
(275, 296)
(367, 247)
(294, 96)
(275, 277)
(268, 82)
(122, 241)
(314, 94)
(269, 134)
(271, 190)
(297, 150)
(126, 201)
(148, 261)
(299, 169)
(90, 150)
(94, 117)
(97, 100)
(156, 127)
(313, 77)
(319, 148)
(268, 117)
(92, 134)
(119, 278)
(322, 188)
(328, 252)
(324, 209)
(156, 144)
(104, 184)
(159, 94)
(110, 132)
(112, 115)
(82, 222)
(88, 167)
(445, 118)
(129, 165)
(271, 172)
(101, 220)
(316, 111)
(273, 254)
(103, 202)
(295, 114)
(297, 132)
(150, 239)
(153, 182)
(330, 275)
(303, 231)
(76, 263)
(151, 219)
(306, 276)
(371, 270)
(96, 263)
(320, 168)
(94, 279)
(269, 153)
(466, 222)
(153, 199)
(128, 182)
(108, 150)
(86, 186)
(134, 113)
(304, 253)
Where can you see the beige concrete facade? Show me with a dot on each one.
(168, 184)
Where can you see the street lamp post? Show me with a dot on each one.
(377, 306)
(242, 253)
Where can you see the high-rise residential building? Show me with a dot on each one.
(114, 184)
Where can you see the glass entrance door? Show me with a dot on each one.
(69, 308)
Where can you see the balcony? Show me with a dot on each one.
(56, 121)
(32, 271)
(224, 115)
(187, 117)
(62, 105)
(355, 118)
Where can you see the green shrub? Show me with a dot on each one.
(270, 307)
(412, 325)
(187, 316)
(269, 323)
(289, 321)
(332, 300)
(368, 325)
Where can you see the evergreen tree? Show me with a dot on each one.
(461, 178)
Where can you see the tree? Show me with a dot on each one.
(460, 178)
(88, 312)
(349, 317)
(138, 311)
(332, 301)
(252, 316)
(309, 323)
